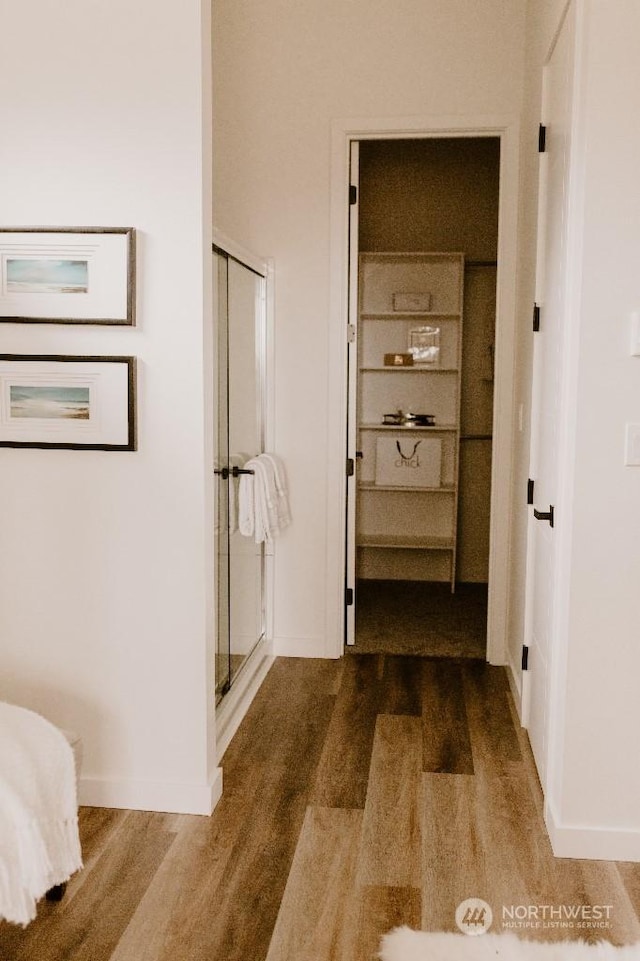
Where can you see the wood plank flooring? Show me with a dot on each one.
(358, 795)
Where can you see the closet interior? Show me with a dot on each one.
(428, 232)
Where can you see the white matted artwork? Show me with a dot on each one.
(408, 461)
(67, 275)
(60, 401)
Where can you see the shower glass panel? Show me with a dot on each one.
(240, 357)
(221, 530)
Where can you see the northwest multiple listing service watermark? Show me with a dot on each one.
(475, 916)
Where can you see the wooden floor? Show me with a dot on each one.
(358, 794)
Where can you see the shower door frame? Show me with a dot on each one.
(232, 706)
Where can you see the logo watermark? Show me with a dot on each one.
(474, 916)
(567, 916)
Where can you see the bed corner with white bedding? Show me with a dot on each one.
(39, 841)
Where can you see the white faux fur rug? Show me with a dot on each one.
(406, 945)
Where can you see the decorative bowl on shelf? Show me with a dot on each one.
(395, 419)
(419, 420)
(400, 419)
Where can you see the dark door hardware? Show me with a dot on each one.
(542, 138)
(225, 472)
(544, 515)
(536, 318)
(530, 486)
(351, 463)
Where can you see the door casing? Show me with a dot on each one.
(343, 133)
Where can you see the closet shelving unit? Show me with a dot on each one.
(393, 521)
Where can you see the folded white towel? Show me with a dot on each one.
(246, 502)
(39, 841)
(280, 483)
(233, 504)
(263, 506)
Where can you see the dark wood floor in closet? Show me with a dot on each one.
(421, 617)
(358, 794)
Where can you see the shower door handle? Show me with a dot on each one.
(226, 472)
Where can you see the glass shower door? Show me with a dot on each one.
(221, 448)
(240, 403)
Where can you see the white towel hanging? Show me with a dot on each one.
(263, 505)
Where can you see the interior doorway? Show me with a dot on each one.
(424, 252)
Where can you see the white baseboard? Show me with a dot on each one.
(594, 843)
(166, 796)
(301, 647)
(236, 703)
(514, 677)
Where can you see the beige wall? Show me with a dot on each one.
(282, 73)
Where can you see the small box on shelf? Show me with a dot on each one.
(398, 360)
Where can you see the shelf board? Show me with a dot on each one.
(384, 256)
(410, 315)
(436, 428)
(443, 489)
(411, 369)
(407, 542)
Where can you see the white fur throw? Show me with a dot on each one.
(39, 841)
(402, 944)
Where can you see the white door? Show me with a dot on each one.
(352, 374)
(549, 355)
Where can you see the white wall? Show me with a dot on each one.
(282, 73)
(105, 557)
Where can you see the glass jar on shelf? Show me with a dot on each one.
(424, 346)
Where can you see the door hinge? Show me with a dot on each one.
(348, 596)
(536, 318)
(525, 657)
(353, 195)
(350, 467)
(542, 138)
(351, 333)
(530, 486)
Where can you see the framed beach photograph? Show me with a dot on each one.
(59, 401)
(67, 275)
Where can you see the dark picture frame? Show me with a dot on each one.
(61, 401)
(68, 275)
